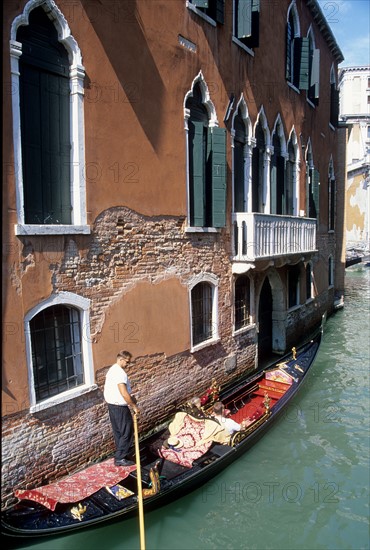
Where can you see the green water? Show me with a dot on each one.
(305, 485)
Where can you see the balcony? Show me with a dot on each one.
(263, 236)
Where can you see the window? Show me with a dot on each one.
(293, 286)
(246, 22)
(241, 129)
(313, 187)
(201, 305)
(58, 349)
(331, 197)
(313, 193)
(309, 282)
(258, 161)
(313, 71)
(47, 77)
(330, 271)
(297, 52)
(334, 99)
(242, 302)
(278, 191)
(214, 9)
(291, 179)
(206, 145)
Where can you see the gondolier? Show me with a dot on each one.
(117, 394)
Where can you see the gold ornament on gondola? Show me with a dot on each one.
(78, 511)
(266, 402)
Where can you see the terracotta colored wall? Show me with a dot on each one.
(136, 265)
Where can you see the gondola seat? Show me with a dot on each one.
(193, 442)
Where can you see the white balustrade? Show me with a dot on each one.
(267, 236)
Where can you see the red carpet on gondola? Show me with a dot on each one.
(77, 486)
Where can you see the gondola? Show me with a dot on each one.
(166, 472)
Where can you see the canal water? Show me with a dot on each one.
(305, 485)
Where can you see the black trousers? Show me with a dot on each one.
(122, 426)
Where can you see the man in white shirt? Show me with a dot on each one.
(117, 394)
(229, 425)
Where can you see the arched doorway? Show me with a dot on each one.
(265, 321)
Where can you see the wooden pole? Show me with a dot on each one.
(139, 486)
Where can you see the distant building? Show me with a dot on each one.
(174, 185)
(354, 86)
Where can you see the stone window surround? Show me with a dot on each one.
(213, 281)
(83, 305)
(77, 74)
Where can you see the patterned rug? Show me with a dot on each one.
(190, 434)
(77, 486)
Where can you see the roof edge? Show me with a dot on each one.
(324, 27)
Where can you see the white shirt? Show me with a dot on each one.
(115, 375)
(228, 424)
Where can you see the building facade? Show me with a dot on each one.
(173, 177)
(354, 85)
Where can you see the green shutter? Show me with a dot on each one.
(218, 177)
(197, 173)
(301, 54)
(334, 105)
(239, 200)
(30, 104)
(289, 33)
(45, 122)
(315, 75)
(316, 191)
(200, 3)
(244, 18)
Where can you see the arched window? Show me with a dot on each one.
(313, 186)
(48, 127)
(242, 302)
(57, 359)
(203, 310)
(241, 147)
(206, 148)
(258, 162)
(297, 51)
(58, 349)
(290, 179)
(278, 192)
(201, 304)
(45, 122)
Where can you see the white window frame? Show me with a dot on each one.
(247, 153)
(77, 137)
(83, 306)
(309, 266)
(297, 34)
(213, 281)
(212, 122)
(251, 324)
